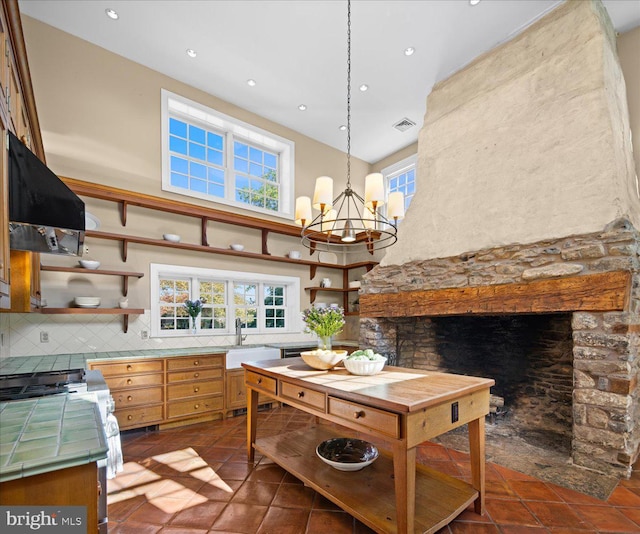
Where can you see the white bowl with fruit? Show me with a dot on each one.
(364, 362)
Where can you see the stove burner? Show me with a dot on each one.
(25, 386)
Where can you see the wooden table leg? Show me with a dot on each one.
(476, 452)
(404, 471)
(252, 421)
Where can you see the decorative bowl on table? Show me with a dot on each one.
(347, 454)
(89, 264)
(87, 302)
(174, 238)
(323, 359)
(364, 362)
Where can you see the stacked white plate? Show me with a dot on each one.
(87, 302)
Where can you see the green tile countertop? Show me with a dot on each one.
(63, 362)
(49, 433)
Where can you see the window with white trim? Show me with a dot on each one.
(265, 304)
(209, 155)
(401, 176)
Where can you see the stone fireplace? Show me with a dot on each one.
(518, 258)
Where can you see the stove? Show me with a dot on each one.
(39, 384)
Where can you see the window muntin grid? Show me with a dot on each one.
(274, 306)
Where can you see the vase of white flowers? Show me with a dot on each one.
(325, 323)
(194, 307)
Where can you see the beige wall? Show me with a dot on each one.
(629, 53)
(529, 142)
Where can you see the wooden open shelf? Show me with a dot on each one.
(124, 274)
(125, 312)
(369, 494)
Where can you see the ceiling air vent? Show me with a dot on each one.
(404, 124)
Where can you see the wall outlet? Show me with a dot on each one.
(144, 334)
(85, 250)
(44, 337)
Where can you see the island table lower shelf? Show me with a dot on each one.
(368, 494)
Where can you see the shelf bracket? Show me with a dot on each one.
(125, 285)
(124, 250)
(125, 323)
(123, 212)
(312, 271)
(265, 246)
(312, 295)
(312, 248)
(203, 231)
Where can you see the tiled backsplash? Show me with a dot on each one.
(69, 334)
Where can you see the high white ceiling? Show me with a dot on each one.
(296, 52)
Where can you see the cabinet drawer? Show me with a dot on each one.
(261, 382)
(126, 368)
(193, 389)
(200, 374)
(136, 417)
(132, 397)
(194, 406)
(192, 362)
(303, 395)
(378, 420)
(134, 381)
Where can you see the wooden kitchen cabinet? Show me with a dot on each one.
(137, 387)
(236, 391)
(195, 386)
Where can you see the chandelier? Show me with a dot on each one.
(349, 222)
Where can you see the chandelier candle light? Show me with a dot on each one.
(348, 222)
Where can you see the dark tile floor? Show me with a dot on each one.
(195, 479)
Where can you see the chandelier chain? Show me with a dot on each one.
(348, 94)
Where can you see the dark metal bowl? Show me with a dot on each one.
(347, 454)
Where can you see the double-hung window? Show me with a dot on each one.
(211, 156)
(263, 304)
(401, 176)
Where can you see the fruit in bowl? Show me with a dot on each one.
(323, 359)
(364, 362)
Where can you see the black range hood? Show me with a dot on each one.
(44, 214)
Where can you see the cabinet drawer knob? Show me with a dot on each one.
(359, 414)
(259, 380)
(195, 390)
(196, 375)
(196, 406)
(196, 362)
(129, 381)
(129, 367)
(300, 394)
(129, 417)
(129, 398)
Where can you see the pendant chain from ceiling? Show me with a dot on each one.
(348, 94)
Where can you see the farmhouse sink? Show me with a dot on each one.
(239, 355)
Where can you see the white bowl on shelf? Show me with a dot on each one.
(354, 285)
(87, 302)
(236, 246)
(364, 367)
(174, 238)
(90, 264)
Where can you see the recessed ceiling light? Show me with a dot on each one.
(364, 87)
(302, 107)
(342, 127)
(251, 83)
(191, 52)
(474, 2)
(112, 14)
(409, 51)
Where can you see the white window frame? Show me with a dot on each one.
(397, 168)
(292, 312)
(174, 105)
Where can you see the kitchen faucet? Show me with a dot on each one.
(239, 336)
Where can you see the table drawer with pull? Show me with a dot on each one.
(195, 389)
(383, 422)
(261, 382)
(309, 397)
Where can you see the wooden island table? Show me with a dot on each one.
(403, 407)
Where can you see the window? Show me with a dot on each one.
(264, 303)
(401, 177)
(211, 156)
